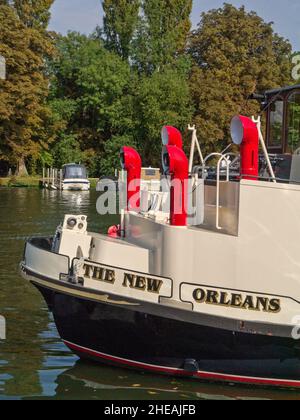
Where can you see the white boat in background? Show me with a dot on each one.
(75, 178)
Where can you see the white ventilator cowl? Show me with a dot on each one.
(237, 130)
(165, 136)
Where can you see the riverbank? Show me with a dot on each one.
(29, 182)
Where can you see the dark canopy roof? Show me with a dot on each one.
(74, 171)
(282, 90)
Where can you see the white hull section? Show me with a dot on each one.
(252, 277)
(76, 185)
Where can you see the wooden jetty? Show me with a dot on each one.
(52, 179)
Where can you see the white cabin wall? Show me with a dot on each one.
(264, 258)
(187, 254)
(268, 255)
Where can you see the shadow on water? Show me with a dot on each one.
(33, 361)
(89, 381)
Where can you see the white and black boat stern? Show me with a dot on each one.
(127, 332)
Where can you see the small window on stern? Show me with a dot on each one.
(276, 124)
(293, 122)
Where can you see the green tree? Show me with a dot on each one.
(90, 96)
(111, 156)
(23, 109)
(235, 54)
(113, 103)
(161, 99)
(34, 13)
(120, 22)
(162, 33)
(161, 88)
(67, 150)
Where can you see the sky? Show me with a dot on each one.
(84, 16)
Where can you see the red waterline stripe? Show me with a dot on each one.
(172, 371)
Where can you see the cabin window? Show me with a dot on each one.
(75, 172)
(276, 123)
(293, 120)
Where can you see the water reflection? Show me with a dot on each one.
(30, 344)
(89, 381)
(33, 361)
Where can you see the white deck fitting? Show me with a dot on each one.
(118, 253)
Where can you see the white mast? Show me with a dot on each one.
(195, 143)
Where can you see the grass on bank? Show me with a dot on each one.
(29, 182)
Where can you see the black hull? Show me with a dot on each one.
(128, 337)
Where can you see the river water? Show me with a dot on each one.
(34, 363)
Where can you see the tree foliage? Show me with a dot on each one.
(90, 96)
(98, 98)
(161, 99)
(80, 98)
(23, 108)
(162, 33)
(235, 54)
(120, 22)
(34, 13)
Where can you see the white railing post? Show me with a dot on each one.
(195, 143)
(123, 201)
(59, 179)
(263, 145)
(224, 158)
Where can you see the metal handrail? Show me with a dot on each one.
(195, 143)
(206, 160)
(264, 147)
(224, 158)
